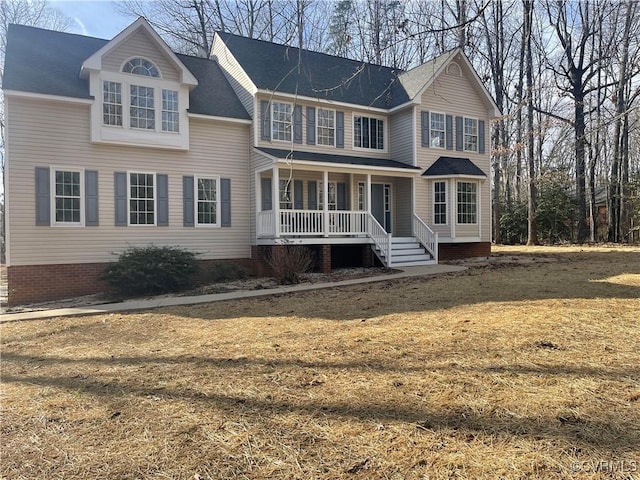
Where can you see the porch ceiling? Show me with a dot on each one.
(339, 160)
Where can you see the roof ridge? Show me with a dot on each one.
(392, 69)
(20, 25)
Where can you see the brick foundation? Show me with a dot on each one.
(455, 251)
(42, 283)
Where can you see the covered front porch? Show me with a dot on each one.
(307, 203)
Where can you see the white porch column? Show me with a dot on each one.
(276, 198)
(325, 201)
(368, 192)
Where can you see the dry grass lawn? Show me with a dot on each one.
(504, 371)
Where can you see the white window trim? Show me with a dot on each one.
(155, 199)
(444, 141)
(273, 120)
(52, 195)
(464, 134)
(363, 186)
(385, 139)
(126, 80)
(446, 203)
(334, 185)
(195, 200)
(477, 184)
(137, 75)
(318, 126)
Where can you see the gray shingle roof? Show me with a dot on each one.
(275, 67)
(48, 62)
(333, 158)
(446, 166)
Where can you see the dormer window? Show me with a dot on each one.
(141, 66)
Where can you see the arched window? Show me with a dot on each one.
(141, 66)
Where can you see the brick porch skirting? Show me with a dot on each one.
(455, 251)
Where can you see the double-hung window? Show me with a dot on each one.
(142, 112)
(467, 202)
(470, 135)
(67, 193)
(112, 103)
(170, 114)
(142, 198)
(207, 206)
(281, 121)
(368, 132)
(326, 125)
(437, 130)
(440, 203)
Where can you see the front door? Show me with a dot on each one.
(381, 204)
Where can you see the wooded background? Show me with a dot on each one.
(565, 74)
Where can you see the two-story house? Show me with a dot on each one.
(117, 143)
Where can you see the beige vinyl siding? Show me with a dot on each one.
(140, 44)
(236, 76)
(402, 136)
(453, 95)
(41, 134)
(348, 131)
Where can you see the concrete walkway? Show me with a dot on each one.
(146, 304)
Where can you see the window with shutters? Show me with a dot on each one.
(207, 203)
(281, 120)
(326, 126)
(141, 193)
(67, 190)
(437, 130)
(470, 134)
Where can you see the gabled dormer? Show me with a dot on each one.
(140, 90)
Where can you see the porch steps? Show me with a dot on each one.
(407, 252)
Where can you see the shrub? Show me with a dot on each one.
(225, 272)
(288, 262)
(151, 270)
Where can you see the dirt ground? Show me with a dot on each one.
(524, 366)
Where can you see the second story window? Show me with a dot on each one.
(281, 121)
(368, 132)
(326, 127)
(112, 103)
(142, 111)
(437, 130)
(470, 135)
(170, 114)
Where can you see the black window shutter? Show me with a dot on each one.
(425, 129)
(120, 191)
(341, 196)
(297, 124)
(91, 198)
(298, 202)
(459, 134)
(266, 194)
(43, 196)
(225, 202)
(312, 193)
(311, 126)
(340, 129)
(449, 132)
(163, 201)
(188, 207)
(480, 136)
(265, 120)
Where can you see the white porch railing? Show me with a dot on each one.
(301, 222)
(381, 239)
(427, 237)
(347, 222)
(266, 224)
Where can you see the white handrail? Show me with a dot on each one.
(380, 238)
(427, 237)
